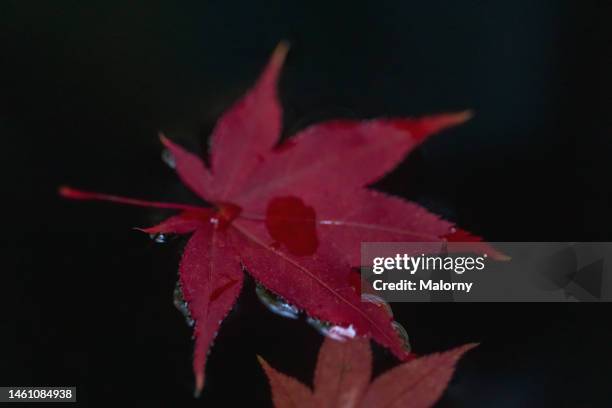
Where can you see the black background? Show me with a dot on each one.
(86, 85)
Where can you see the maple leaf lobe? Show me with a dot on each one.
(342, 379)
(287, 392)
(421, 128)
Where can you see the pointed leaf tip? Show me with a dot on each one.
(421, 128)
(446, 120)
(167, 143)
(275, 63)
(64, 191)
(472, 345)
(287, 392)
(199, 385)
(463, 116)
(280, 53)
(74, 194)
(163, 138)
(467, 347)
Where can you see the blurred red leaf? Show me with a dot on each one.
(342, 379)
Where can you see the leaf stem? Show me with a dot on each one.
(75, 194)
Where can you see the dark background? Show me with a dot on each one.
(86, 85)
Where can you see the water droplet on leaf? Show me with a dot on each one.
(293, 224)
(181, 304)
(332, 331)
(168, 158)
(159, 237)
(276, 304)
(378, 301)
(403, 334)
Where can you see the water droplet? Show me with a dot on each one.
(378, 301)
(276, 304)
(332, 331)
(403, 334)
(159, 237)
(168, 158)
(181, 304)
(292, 223)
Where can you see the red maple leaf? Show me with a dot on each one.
(292, 214)
(343, 373)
